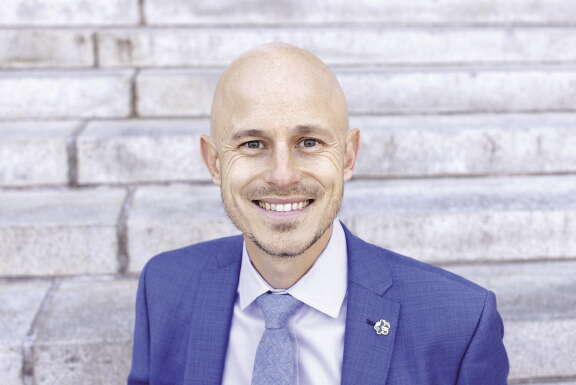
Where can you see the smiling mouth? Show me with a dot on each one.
(283, 207)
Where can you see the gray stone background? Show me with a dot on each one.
(468, 158)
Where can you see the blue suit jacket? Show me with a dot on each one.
(444, 329)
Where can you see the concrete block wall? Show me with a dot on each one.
(468, 117)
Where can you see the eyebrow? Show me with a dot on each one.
(302, 129)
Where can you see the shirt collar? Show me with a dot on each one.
(323, 287)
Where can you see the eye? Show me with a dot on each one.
(253, 145)
(309, 143)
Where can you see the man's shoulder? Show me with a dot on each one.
(195, 257)
(412, 277)
(410, 270)
(429, 292)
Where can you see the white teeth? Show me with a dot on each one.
(283, 207)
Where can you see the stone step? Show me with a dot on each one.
(138, 151)
(34, 153)
(46, 48)
(68, 13)
(65, 94)
(396, 12)
(538, 304)
(60, 232)
(188, 93)
(19, 304)
(432, 146)
(467, 220)
(82, 332)
(159, 151)
(82, 335)
(182, 93)
(439, 221)
(365, 45)
(53, 232)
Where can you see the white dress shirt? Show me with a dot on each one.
(318, 326)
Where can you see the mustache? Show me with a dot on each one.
(312, 191)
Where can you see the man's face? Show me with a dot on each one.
(282, 176)
(280, 152)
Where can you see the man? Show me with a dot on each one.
(298, 299)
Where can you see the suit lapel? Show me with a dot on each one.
(211, 320)
(367, 354)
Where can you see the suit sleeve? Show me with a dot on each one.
(139, 373)
(485, 361)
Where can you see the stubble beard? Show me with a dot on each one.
(333, 208)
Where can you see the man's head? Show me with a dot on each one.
(280, 148)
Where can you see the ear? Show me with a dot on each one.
(211, 157)
(352, 146)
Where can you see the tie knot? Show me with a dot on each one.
(277, 309)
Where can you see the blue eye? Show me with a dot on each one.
(309, 142)
(253, 144)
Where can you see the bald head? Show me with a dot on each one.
(278, 78)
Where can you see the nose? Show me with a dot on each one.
(283, 170)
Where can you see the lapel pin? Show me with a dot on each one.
(382, 327)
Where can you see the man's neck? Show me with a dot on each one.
(284, 272)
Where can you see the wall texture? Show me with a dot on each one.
(468, 117)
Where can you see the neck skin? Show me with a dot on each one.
(284, 272)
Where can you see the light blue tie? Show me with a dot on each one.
(275, 362)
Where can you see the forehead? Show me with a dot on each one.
(240, 134)
(275, 120)
(277, 95)
(279, 110)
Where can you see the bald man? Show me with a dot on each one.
(296, 298)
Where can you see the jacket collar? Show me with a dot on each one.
(367, 354)
(367, 264)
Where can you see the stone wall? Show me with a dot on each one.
(467, 111)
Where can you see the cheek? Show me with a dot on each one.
(239, 171)
(326, 166)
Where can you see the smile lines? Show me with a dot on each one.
(284, 206)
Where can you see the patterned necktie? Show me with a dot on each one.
(275, 362)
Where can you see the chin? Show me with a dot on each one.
(287, 243)
(276, 248)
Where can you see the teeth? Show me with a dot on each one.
(283, 207)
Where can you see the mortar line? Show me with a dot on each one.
(134, 94)
(512, 261)
(312, 25)
(392, 67)
(142, 13)
(72, 154)
(543, 380)
(122, 231)
(383, 115)
(132, 275)
(353, 114)
(27, 372)
(355, 179)
(96, 49)
(342, 68)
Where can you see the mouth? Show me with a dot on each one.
(292, 206)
